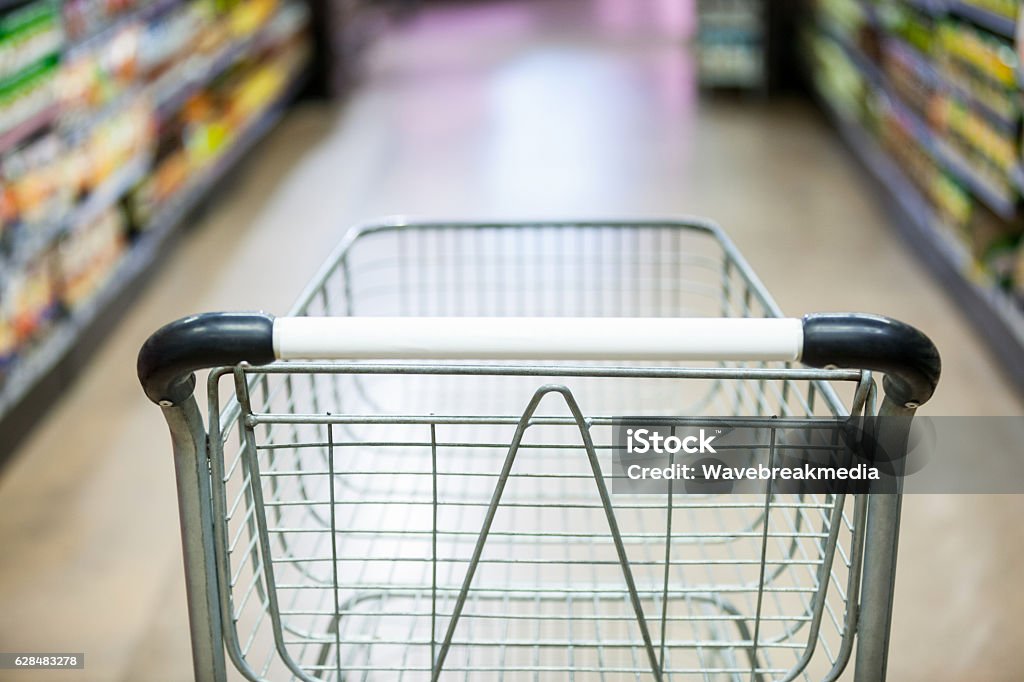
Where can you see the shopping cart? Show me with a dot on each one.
(408, 477)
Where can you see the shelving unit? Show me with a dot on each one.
(42, 372)
(983, 17)
(954, 205)
(732, 37)
(142, 14)
(14, 136)
(995, 315)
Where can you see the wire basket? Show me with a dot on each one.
(470, 531)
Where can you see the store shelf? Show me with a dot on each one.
(982, 17)
(997, 318)
(935, 8)
(1000, 204)
(731, 45)
(934, 76)
(1018, 178)
(192, 195)
(870, 13)
(142, 14)
(872, 73)
(39, 379)
(29, 248)
(13, 137)
(950, 159)
(170, 99)
(78, 129)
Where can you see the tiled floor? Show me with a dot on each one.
(502, 110)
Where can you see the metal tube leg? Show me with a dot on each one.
(883, 524)
(880, 548)
(196, 509)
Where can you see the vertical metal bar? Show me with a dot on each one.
(668, 559)
(346, 281)
(621, 275)
(538, 513)
(764, 556)
(581, 272)
(875, 619)
(433, 546)
(660, 291)
(334, 551)
(195, 503)
(570, 607)
(880, 547)
(561, 267)
(442, 286)
(403, 275)
(493, 256)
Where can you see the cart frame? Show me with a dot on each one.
(248, 346)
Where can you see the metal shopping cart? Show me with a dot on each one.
(408, 477)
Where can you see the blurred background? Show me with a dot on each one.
(161, 157)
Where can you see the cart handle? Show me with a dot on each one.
(905, 355)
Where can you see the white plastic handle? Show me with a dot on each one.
(537, 338)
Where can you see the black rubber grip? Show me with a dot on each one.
(906, 356)
(171, 355)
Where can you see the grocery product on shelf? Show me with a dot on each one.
(114, 143)
(246, 17)
(109, 107)
(172, 39)
(83, 18)
(211, 119)
(963, 44)
(93, 79)
(30, 38)
(950, 84)
(983, 66)
(1003, 8)
(994, 246)
(917, 88)
(1018, 277)
(37, 187)
(28, 35)
(990, 154)
(951, 202)
(8, 342)
(28, 94)
(837, 78)
(913, 25)
(45, 180)
(86, 257)
(28, 307)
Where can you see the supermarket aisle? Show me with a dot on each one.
(510, 110)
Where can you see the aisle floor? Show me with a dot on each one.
(499, 110)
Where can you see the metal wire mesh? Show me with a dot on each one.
(444, 520)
